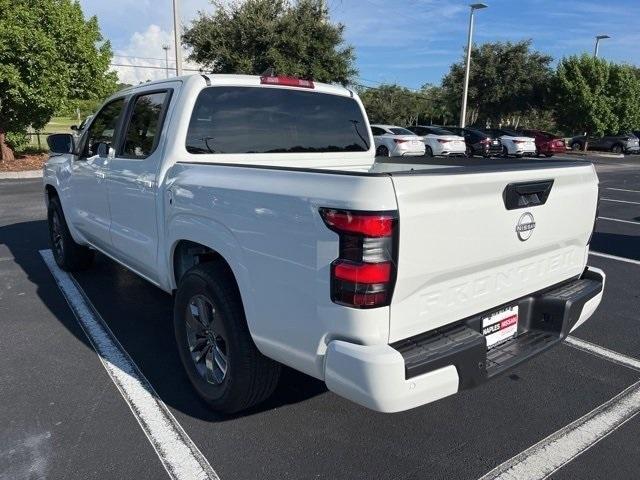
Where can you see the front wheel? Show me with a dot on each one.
(575, 146)
(215, 346)
(617, 148)
(69, 255)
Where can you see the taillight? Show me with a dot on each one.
(519, 141)
(363, 275)
(398, 140)
(442, 140)
(486, 141)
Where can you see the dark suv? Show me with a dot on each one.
(478, 142)
(623, 143)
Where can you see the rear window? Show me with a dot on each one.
(401, 131)
(275, 120)
(439, 131)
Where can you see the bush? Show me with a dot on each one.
(18, 141)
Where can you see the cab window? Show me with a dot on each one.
(103, 127)
(143, 130)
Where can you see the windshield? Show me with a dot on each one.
(401, 131)
(275, 120)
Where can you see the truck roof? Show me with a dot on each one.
(238, 80)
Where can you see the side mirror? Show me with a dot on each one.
(103, 150)
(74, 128)
(60, 143)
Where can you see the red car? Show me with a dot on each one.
(547, 144)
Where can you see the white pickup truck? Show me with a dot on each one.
(259, 204)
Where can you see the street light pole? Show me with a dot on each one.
(177, 27)
(598, 38)
(463, 110)
(166, 59)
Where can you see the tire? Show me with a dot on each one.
(505, 151)
(617, 148)
(469, 152)
(575, 146)
(428, 152)
(69, 255)
(548, 155)
(382, 151)
(209, 292)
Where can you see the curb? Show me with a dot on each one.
(594, 154)
(20, 175)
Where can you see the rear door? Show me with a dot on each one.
(462, 252)
(132, 186)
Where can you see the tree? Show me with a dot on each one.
(624, 91)
(49, 54)
(505, 80)
(295, 39)
(583, 95)
(392, 104)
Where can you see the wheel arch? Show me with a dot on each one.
(188, 251)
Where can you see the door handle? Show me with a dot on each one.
(144, 183)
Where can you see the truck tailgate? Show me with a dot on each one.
(461, 251)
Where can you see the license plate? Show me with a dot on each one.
(500, 326)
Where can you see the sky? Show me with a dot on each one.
(408, 42)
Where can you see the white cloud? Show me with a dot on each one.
(145, 50)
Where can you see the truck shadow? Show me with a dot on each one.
(616, 244)
(140, 316)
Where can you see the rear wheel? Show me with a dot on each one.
(575, 146)
(617, 148)
(548, 155)
(68, 254)
(505, 151)
(428, 151)
(382, 151)
(469, 152)
(215, 346)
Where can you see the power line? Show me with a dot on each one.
(140, 58)
(154, 67)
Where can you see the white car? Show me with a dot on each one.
(259, 204)
(439, 142)
(394, 141)
(514, 143)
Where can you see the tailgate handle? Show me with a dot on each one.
(526, 194)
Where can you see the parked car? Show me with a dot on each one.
(547, 144)
(514, 143)
(478, 142)
(394, 141)
(258, 204)
(621, 143)
(439, 141)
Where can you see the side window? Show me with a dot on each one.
(377, 131)
(143, 130)
(103, 128)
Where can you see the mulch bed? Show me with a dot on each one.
(23, 163)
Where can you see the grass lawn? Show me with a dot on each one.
(60, 125)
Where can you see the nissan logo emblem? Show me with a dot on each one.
(525, 226)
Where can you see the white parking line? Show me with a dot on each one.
(605, 353)
(618, 220)
(619, 201)
(559, 448)
(179, 455)
(614, 257)
(623, 190)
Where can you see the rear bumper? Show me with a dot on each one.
(433, 365)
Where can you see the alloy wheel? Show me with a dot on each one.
(56, 235)
(207, 346)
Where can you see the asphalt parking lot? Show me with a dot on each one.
(63, 417)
